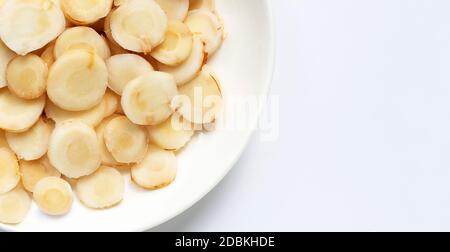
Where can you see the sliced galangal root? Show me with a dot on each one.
(53, 196)
(106, 156)
(139, 25)
(175, 9)
(124, 68)
(83, 12)
(27, 76)
(82, 38)
(6, 55)
(77, 80)
(177, 46)
(157, 170)
(48, 55)
(33, 143)
(172, 134)
(187, 70)
(147, 100)
(18, 115)
(127, 142)
(103, 189)
(208, 27)
(26, 26)
(201, 99)
(112, 101)
(33, 171)
(202, 4)
(74, 149)
(91, 117)
(9, 170)
(14, 206)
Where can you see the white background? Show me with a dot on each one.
(364, 144)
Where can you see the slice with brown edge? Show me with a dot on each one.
(53, 196)
(202, 4)
(27, 76)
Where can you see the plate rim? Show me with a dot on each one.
(265, 92)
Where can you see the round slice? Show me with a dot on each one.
(83, 12)
(26, 26)
(91, 117)
(187, 70)
(127, 142)
(201, 4)
(9, 170)
(123, 68)
(6, 55)
(107, 158)
(201, 99)
(18, 115)
(112, 101)
(53, 196)
(31, 144)
(48, 56)
(14, 206)
(175, 9)
(147, 100)
(113, 46)
(74, 149)
(33, 171)
(139, 25)
(103, 189)
(157, 170)
(172, 134)
(82, 38)
(208, 27)
(27, 76)
(177, 46)
(77, 80)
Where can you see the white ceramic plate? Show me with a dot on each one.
(244, 65)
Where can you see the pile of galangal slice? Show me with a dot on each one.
(89, 88)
